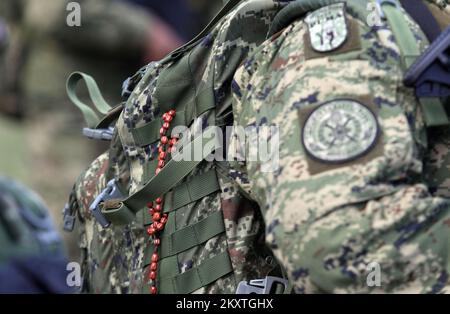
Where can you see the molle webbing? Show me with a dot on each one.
(188, 192)
(173, 172)
(197, 277)
(189, 236)
(149, 132)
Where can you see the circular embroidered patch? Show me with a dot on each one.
(339, 131)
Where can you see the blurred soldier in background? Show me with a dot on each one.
(32, 258)
(114, 39)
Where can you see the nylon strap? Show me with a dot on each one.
(149, 132)
(196, 277)
(174, 171)
(422, 15)
(404, 37)
(169, 267)
(110, 117)
(91, 118)
(186, 193)
(432, 109)
(189, 237)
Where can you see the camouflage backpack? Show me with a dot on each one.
(214, 236)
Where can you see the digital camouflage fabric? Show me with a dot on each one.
(114, 259)
(325, 222)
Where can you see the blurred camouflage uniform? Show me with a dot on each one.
(32, 257)
(43, 51)
(339, 200)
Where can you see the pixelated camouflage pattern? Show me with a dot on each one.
(110, 257)
(114, 257)
(326, 228)
(443, 4)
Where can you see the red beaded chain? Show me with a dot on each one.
(159, 220)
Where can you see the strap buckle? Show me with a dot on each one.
(380, 3)
(430, 74)
(130, 83)
(99, 134)
(110, 192)
(266, 285)
(68, 219)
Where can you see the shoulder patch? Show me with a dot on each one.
(339, 131)
(327, 27)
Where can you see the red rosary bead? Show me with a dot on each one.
(173, 141)
(151, 230)
(159, 221)
(156, 216)
(168, 118)
(164, 140)
(162, 155)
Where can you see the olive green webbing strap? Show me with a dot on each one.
(188, 192)
(91, 118)
(197, 277)
(432, 108)
(188, 237)
(122, 212)
(149, 132)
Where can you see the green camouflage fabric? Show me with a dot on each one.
(326, 227)
(114, 258)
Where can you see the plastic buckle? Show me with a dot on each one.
(126, 88)
(430, 74)
(130, 83)
(261, 286)
(380, 3)
(99, 134)
(110, 192)
(68, 219)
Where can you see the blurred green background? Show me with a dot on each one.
(41, 144)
